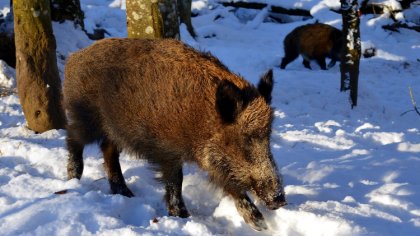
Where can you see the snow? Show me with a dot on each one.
(392, 5)
(346, 171)
(413, 14)
(7, 75)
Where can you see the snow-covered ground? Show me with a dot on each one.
(346, 171)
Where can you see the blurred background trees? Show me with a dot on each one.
(62, 10)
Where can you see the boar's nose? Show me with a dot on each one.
(278, 201)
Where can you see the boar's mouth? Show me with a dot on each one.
(277, 202)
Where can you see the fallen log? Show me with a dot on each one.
(274, 9)
(398, 25)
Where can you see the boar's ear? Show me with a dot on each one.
(229, 101)
(265, 86)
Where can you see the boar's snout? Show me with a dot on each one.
(277, 202)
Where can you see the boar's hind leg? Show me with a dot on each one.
(289, 56)
(306, 63)
(249, 212)
(321, 62)
(332, 63)
(172, 178)
(113, 169)
(75, 160)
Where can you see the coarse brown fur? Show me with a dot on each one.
(168, 103)
(314, 42)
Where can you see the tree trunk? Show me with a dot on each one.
(38, 81)
(152, 19)
(349, 66)
(184, 12)
(62, 10)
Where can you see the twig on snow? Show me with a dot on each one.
(413, 101)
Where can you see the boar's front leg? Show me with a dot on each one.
(172, 178)
(113, 169)
(75, 160)
(321, 62)
(249, 211)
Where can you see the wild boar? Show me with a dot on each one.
(170, 104)
(314, 42)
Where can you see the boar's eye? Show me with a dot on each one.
(248, 157)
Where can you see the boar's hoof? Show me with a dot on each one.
(123, 190)
(74, 170)
(71, 174)
(250, 213)
(256, 221)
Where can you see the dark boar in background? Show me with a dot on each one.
(166, 102)
(314, 42)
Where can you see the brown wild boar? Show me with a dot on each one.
(164, 101)
(314, 42)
